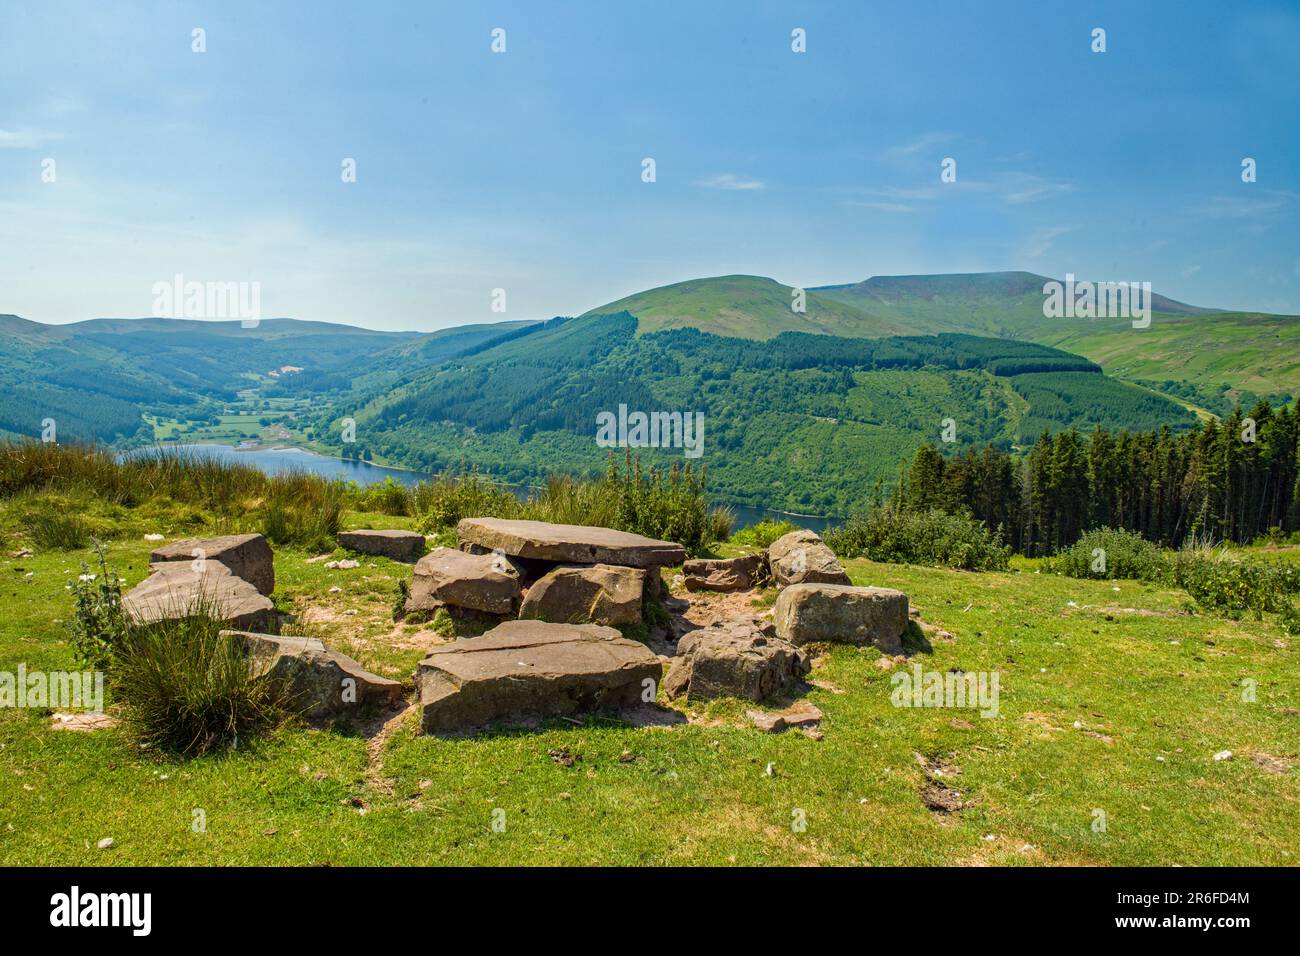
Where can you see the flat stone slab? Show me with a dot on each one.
(397, 545)
(726, 574)
(529, 669)
(801, 557)
(323, 683)
(567, 543)
(835, 612)
(586, 594)
(735, 658)
(248, 556)
(175, 590)
(479, 582)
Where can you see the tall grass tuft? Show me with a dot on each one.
(186, 690)
(59, 532)
(302, 510)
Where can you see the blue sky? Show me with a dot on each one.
(522, 170)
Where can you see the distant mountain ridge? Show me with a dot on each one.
(1209, 358)
(95, 378)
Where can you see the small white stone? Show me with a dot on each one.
(1223, 755)
(105, 843)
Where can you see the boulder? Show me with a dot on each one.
(524, 669)
(397, 545)
(837, 612)
(735, 658)
(323, 683)
(801, 557)
(586, 594)
(729, 574)
(479, 582)
(176, 590)
(566, 543)
(247, 556)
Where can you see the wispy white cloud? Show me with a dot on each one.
(918, 145)
(1026, 187)
(1191, 271)
(25, 137)
(883, 206)
(1039, 242)
(730, 181)
(1249, 207)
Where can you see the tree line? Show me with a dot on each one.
(1223, 480)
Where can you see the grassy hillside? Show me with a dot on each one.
(747, 307)
(804, 422)
(1112, 698)
(1253, 355)
(1223, 356)
(1210, 358)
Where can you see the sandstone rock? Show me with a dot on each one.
(323, 683)
(586, 594)
(730, 574)
(398, 545)
(801, 557)
(175, 590)
(566, 543)
(803, 714)
(247, 556)
(768, 723)
(836, 612)
(479, 582)
(527, 669)
(735, 659)
(82, 721)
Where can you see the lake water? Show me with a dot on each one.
(278, 460)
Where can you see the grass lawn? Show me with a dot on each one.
(1115, 703)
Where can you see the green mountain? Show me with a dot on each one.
(747, 307)
(97, 378)
(803, 409)
(805, 422)
(1254, 355)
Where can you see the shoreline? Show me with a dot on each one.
(829, 521)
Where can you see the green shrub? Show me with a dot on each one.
(1215, 579)
(929, 537)
(187, 690)
(97, 628)
(1218, 581)
(761, 534)
(1111, 554)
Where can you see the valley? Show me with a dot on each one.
(808, 412)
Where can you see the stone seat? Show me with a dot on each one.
(529, 669)
(566, 543)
